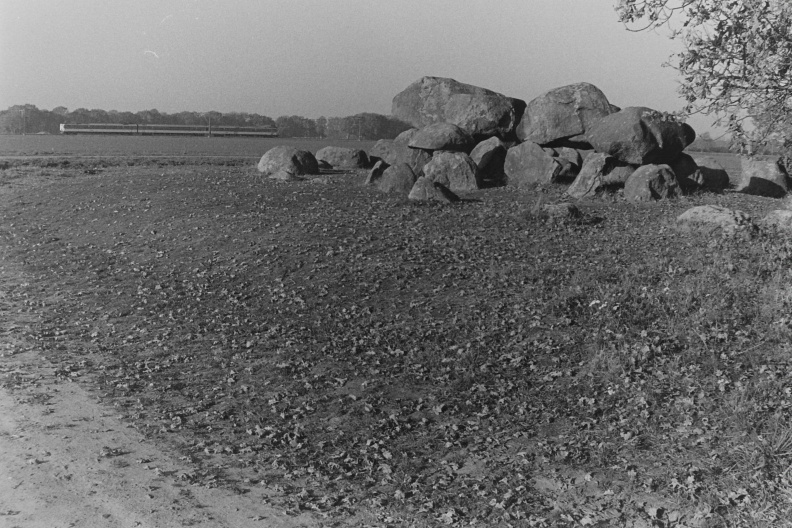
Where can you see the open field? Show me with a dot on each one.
(92, 145)
(96, 152)
(340, 353)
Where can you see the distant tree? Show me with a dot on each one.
(98, 115)
(81, 115)
(321, 126)
(150, 117)
(127, 118)
(212, 118)
(735, 63)
(336, 128)
(188, 118)
(296, 126)
(28, 119)
(364, 126)
(260, 120)
(11, 120)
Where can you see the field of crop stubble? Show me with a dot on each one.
(340, 351)
(159, 146)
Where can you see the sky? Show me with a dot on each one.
(319, 57)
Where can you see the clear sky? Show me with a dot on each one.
(318, 57)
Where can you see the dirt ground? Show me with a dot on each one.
(67, 460)
(195, 345)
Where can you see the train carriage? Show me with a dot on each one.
(119, 129)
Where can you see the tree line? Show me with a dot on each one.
(28, 119)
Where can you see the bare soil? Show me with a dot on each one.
(200, 334)
(68, 459)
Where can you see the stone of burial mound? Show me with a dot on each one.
(651, 182)
(425, 190)
(528, 164)
(570, 154)
(380, 150)
(288, 159)
(713, 176)
(762, 178)
(780, 219)
(640, 136)
(376, 172)
(580, 143)
(442, 136)
(394, 153)
(564, 112)
(406, 136)
(586, 153)
(480, 112)
(415, 158)
(343, 157)
(454, 170)
(397, 179)
(567, 171)
(715, 219)
(687, 173)
(489, 156)
(569, 161)
(598, 173)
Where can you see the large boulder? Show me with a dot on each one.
(569, 162)
(763, 178)
(397, 179)
(385, 149)
(489, 156)
(343, 157)
(406, 136)
(563, 113)
(528, 164)
(715, 219)
(712, 175)
(455, 170)
(425, 190)
(567, 171)
(288, 159)
(687, 173)
(640, 136)
(598, 173)
(480, 112)
(572, 155)
(442, 136)
(779, 219)
(380, 149)
(393, 153)
(651, 182)
(376, 172)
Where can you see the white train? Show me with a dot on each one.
(166, 130)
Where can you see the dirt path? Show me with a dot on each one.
(67, 460)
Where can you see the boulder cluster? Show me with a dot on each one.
(289, 164)
(465, 137)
